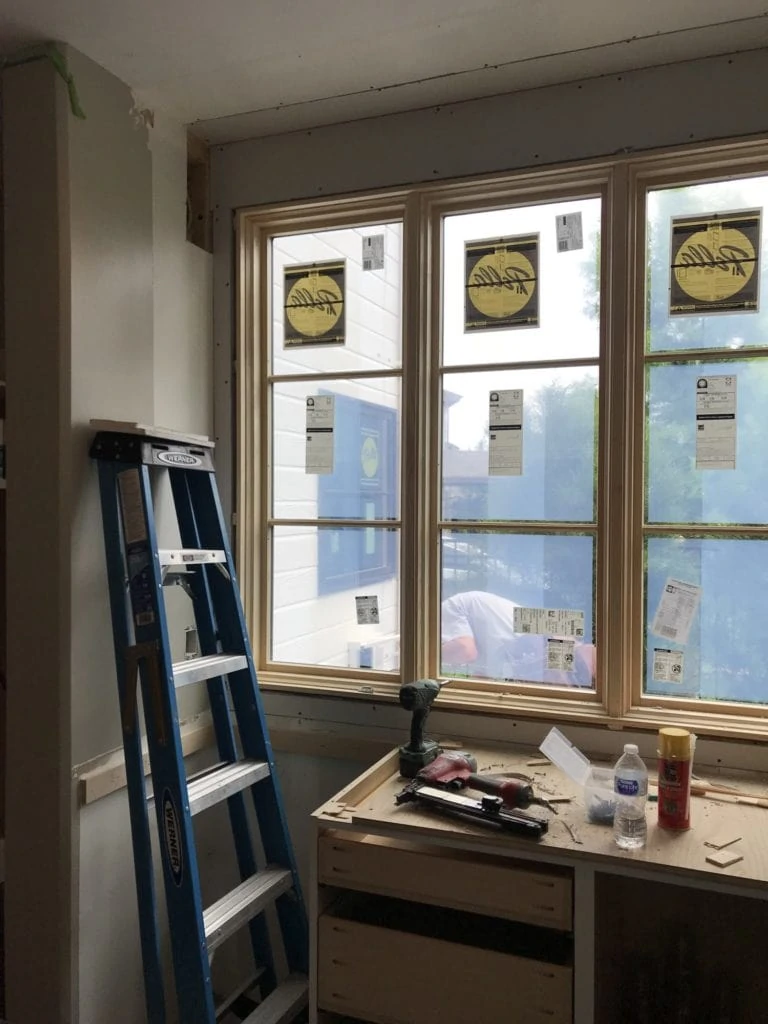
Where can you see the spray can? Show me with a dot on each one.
(675, 762)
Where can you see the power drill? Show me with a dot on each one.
(418, 697)
(455, 769)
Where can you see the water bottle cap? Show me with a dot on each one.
(630, 748)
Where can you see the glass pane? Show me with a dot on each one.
(558, 446)
(485, 575)
(362, 452)
(677, 491)
(317, 574)
(568, 285)
(723, 654)
(720, 330)
(361, 314)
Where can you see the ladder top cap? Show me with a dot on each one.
(151, 433)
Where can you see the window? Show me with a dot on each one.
(512, 433)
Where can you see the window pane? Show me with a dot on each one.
(677, 491)
(316, 576)
(568, 286)
(558, 446)
(484, 575)
(364, 449)
(723, 656)
(368, 320)
(723, 330)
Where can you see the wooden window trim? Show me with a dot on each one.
(621, 182)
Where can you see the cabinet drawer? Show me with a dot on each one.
(449, 878)
(393, 977)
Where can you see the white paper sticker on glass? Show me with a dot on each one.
(373, 252)
(667, 665)
(549, 621)
(569, 232)
(677, 608)
(505, 444)
(716, 422)
(560, 654)
(319, 444)
(367, 610)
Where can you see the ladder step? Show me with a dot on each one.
(282, 1005)
(197, 669)
(225, 916)
(216, 785)
(189, 556)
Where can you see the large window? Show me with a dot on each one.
(513, 433)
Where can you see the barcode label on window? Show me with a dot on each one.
(562, 245)
(668, 631)
(373, 252)
(367, 264)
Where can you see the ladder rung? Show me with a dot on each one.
(197, 669)
(216, 785)
(282, 1005)
(189, 556)
(225, 916)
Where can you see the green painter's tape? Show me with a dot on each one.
(48, 51)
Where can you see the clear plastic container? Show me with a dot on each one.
(599, 797)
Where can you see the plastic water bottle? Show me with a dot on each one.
(631, 787)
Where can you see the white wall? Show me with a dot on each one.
(98, 244)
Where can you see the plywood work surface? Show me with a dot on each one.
(369, 804)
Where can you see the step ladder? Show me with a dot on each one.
(129, 456)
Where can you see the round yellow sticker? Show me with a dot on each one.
(369, 457)
(314, 304)
(501, 283)
(714, 264)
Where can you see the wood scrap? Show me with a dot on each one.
(724, 858)
(573, 833)
(542, 762)
(721, 842)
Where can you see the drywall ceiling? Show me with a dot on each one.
(238, 68)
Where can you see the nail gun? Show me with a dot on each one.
(453, 770)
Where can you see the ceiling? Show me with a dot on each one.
(240, 68)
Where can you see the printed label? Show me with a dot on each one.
(172, 838)
(313, 313)
(179, 459)
(134, 525)
(716, 422)
(373, 252)
(627, 787)
(677, 608)
(501, 278)
(552, 622)
(505, 445)
(667, 666)
(367, 610)
(569, 232)
(560, 654)
(319, 444)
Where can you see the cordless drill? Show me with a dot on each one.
(455, 769)
(418, 697)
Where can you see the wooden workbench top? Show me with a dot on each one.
(368, 804)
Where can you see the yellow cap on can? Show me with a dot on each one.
(675, 744)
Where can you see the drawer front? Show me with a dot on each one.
(392, 977)
(483, 885)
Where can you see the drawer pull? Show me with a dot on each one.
(543, 906)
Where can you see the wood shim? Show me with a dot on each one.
(724, 858)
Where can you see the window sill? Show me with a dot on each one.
(457, 700)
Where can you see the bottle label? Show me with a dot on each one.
(627, 787)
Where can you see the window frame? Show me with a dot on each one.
(622, 183)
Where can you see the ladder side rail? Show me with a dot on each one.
(254, 733)
(205, 622)
(177, 844)
(154, 992)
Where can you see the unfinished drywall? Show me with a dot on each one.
(97, 234)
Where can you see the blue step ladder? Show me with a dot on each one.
(129, 456)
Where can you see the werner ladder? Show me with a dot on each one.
(128, 457)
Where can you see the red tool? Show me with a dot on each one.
(456, 769)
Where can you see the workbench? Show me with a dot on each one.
(416, 918)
